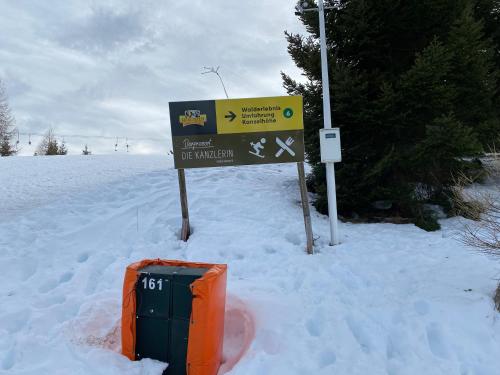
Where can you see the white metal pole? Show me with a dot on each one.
(330, 166)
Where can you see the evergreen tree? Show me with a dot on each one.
(50, 146)
(475, 77)
(489, 12)
(414, 90)
(62, 150)
(6, 125)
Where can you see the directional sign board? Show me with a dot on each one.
(215, 133)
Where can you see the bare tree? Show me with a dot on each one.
(484, 209)
(6, 125)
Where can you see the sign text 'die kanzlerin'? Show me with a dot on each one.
(214, 133)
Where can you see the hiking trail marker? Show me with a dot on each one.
(230, 132)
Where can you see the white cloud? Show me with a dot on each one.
(109, 68)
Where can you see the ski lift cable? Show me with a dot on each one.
(97, 137)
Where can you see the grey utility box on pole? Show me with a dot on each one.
(329, 141)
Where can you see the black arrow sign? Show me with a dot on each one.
(231, 116)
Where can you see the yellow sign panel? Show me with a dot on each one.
(259, 114)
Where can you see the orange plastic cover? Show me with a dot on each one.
(206, 331)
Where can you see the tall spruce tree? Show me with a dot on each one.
(414, 90)
(6, 125)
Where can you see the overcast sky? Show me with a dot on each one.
(110, 67)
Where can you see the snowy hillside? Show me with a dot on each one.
(391, 299)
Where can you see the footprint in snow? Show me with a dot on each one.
(270, 341)
(360, 335)
(314, 327)
(9, 360)
(293, 238)
(396, 344)
(316, 324)
(82, 258)
(327, 358)
(65, 277)
(270, 250)
(436, 341)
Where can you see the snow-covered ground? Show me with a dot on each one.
(391, 299)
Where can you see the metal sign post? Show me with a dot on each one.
(228, 132)
(186, 229)
(305, 207)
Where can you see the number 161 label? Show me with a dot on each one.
(152, 284)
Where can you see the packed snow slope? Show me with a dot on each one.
(391, 299)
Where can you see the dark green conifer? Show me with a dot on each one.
(414, 89)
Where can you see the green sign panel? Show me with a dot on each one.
(215, 133)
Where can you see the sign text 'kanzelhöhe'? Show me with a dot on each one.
(215, 133)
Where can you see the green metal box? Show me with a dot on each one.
(164, 303)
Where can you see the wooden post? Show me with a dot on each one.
(305, 207)
(186, 229)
